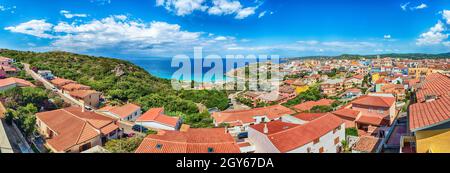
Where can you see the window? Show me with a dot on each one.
(336, 140)
(321, 150)
(158, 146)
(316, 141)
(210, 150)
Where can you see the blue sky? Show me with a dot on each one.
(164, 28)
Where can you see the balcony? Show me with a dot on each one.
(407, 144)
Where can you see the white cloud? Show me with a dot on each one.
(213, 7)
(244, 13)
(387, 36)
(262, 14)
(447, 43)
(421, 6)
(182, 7)
(7, 8)
(435, 35)
(69, 15)
(446, 16)
(221, 38)
(37, 28)
(404, 6)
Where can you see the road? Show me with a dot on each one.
(235, 103)
(67, 98)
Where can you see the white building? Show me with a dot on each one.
(128, 112)
(321, 135)
(156, 119)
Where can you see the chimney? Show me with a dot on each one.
(82, 108)
(265, 130)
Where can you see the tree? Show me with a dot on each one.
(321, 109)
(351, 131)
(126, 145)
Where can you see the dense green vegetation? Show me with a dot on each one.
(125, 145)
(121, 81)
(22, 103)
(312, 94)
(351, 132)
(321, 109)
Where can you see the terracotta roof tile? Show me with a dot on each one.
(203, 140)
(308, 116)
(302, 134)
(72, 126)
(246, 116)
(157, 115)
(121, 111)
(306, 106)
(366, 144)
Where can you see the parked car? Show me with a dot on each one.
(139, 128)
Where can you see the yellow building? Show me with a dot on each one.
(433, 141)
(300, 89)
(429, 118)
(417, 72)
(375, 77)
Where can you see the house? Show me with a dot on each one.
(351, 93)
(354, 80)
(59, 82)
(199, 140)
(12, 82)
(156, 119)
(307, 106)
(74, 130)
(331, 87)
(240, 120)
(321, 135)
(46, 74)
(74, 86)
(9, 70)
(429, 118)
(90, 98)
(6, 61)
(127, 112)
(370, 112)
(398, 90)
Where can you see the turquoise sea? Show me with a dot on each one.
(161, 67)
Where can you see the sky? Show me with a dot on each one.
(165, 28)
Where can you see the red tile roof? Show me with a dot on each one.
(428, 114)
(308, 116)
(303, 134)
(246, 116)
(75, 86)
(366, 144)
(121, 111)
(376, 101)
(17, 81)
(434, 84)
(347, 113)
(157, 115)
(61, 81)
(203, 140)
(306, 106)
(83, 93)
(72, 126)
(374, 120)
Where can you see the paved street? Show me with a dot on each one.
(67, 98)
